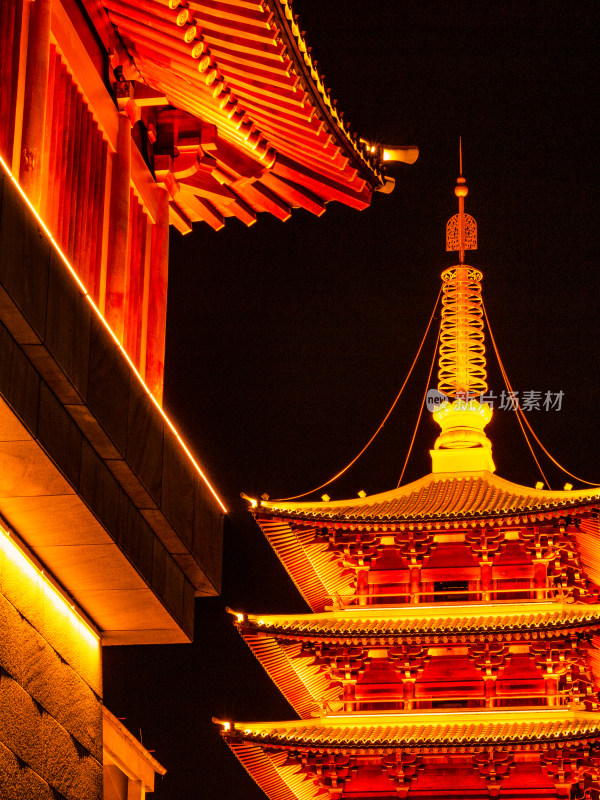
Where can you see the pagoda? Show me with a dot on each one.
(452, 650)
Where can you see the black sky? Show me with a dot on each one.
(287, 343)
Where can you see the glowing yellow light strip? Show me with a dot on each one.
(15, 553)
(84, 291)
(476, 713)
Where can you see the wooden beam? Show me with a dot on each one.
(203, 209)
(265, 199)
(243, 211)
(204, 185)
(294, 194)
(293, 171)
(178, 219)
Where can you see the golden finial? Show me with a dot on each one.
(462, 375)
(461, 229)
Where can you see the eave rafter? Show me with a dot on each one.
(442, 731)
(245, 68)
(368, 626)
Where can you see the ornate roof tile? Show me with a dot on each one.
(438, 497)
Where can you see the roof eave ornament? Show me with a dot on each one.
(462, 446)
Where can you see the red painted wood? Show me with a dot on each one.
(157, 305)
(34, 111)
(118, 244)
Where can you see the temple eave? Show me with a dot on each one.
(440, 729)
(441, 498)
(399, 622)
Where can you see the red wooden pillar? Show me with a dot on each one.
(116, 274)
(486, 581)
(36, 88)
(490, 692)
(409, 694)
(539, 579)
(157, 301)
(11, 15)
(415, 584)
(551, 685)
(362, 586)
(349, 697)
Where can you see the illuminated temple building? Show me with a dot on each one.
(119, 119)
(452, 650)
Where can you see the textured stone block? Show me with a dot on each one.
(19, 782)
(68, 767)
(65, 696)
(27, 658)
(21, 723)
(11, 655)
(52, 621)
(45, 746)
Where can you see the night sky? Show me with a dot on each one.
(287, 342)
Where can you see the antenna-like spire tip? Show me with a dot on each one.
(461, 190)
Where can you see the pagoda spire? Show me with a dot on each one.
(462, 378)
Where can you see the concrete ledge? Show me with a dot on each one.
(123, 751)
(86, 456)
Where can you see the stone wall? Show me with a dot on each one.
(50, 690)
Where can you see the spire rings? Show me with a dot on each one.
(462, 365)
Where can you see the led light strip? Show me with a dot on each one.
(84, 291)
(14, 550)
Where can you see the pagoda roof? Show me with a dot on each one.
(277, 640)
(256, 109)
(440, 497)
(354, 733)
(354, 625)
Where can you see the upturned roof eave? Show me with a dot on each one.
(354, 732)
(426, 620)
(516, 501)
(300, 54)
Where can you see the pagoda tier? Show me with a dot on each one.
(431, 657)
(510, 754)
(469, 537)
